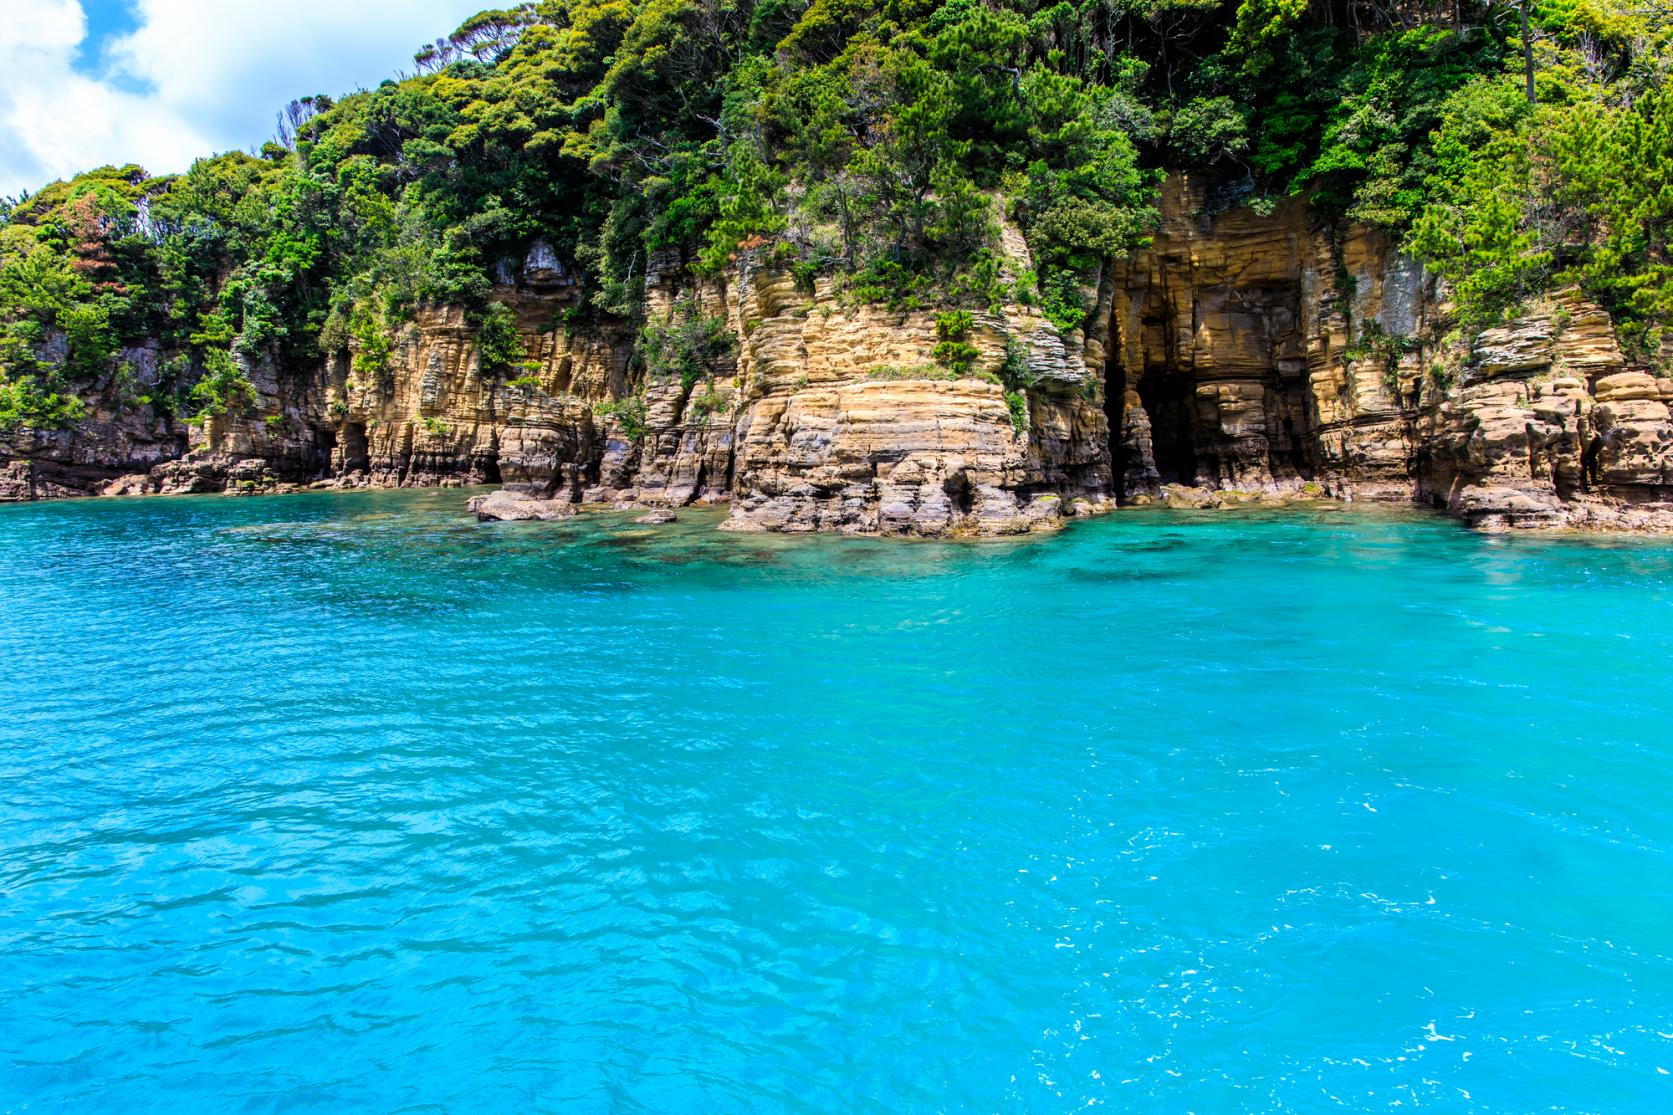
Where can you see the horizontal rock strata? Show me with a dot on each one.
(1240, 355)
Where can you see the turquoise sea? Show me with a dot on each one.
(346, 802)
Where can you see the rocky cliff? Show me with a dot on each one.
(1270, 352)
(1245, 352)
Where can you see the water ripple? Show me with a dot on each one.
(347, 802)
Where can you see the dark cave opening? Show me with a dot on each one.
(1297, 451)
(1169, 398)
(356, 452)
(1115, 414)
(325, 444)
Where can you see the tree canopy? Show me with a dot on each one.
(883, 143)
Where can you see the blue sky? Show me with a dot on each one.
(105, 20)
(161, 82)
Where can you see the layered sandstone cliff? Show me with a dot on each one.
(1243, 352)
(1269, 352)
(845, 422)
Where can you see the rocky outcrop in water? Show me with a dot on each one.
(1242, 354)
(1548, 426)
(510, 505)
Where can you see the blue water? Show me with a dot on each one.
(345, 802)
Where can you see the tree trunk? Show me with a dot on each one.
(1528, 52)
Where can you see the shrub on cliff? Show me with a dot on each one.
(36, 402)
(224, 389)
(629, 412)
(953, 349)
(499, 347)
(685, 345)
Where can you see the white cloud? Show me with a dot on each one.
(192, 78)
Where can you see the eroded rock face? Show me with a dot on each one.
(53, 464)
(1548, 427)
(1255, 353)
(847, 424)
(825, 415)
(1231, 364)
(1243, 355)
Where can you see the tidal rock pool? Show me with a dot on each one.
(345, 802)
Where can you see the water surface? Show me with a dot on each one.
(346, 802)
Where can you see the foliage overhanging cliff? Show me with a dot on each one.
(883, 143)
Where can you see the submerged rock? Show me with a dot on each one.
(656, 518)
(512, 506)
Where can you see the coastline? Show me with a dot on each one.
(1597, 517)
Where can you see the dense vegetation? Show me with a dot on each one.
(881, 142)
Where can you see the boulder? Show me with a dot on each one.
(513, 506)
(1181, 498)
